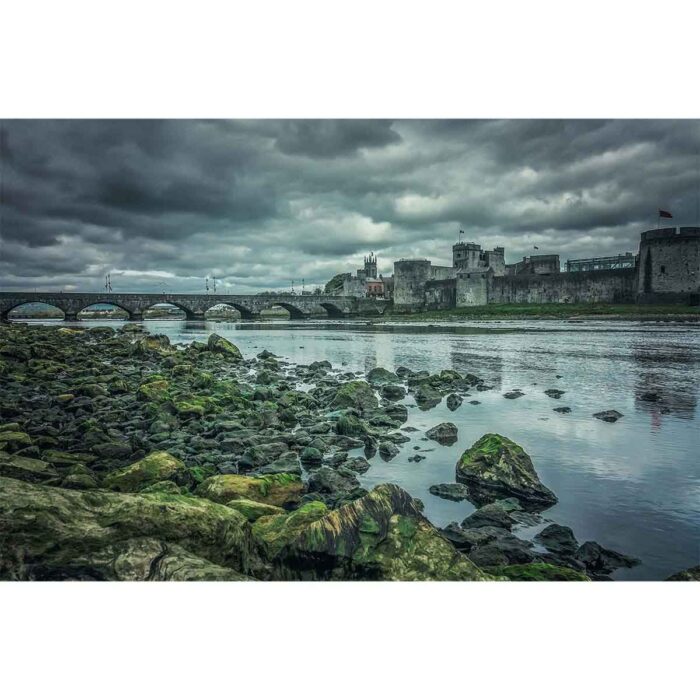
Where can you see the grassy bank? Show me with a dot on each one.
(554, 311)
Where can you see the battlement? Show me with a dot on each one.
(673, 233)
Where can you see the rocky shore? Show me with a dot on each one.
(123, 457)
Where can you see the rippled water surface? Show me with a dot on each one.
(633, 486)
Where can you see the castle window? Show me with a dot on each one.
(663, 269)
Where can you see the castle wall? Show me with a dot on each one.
(472, 289)
(669, 265)
(440, 294)
(441, 272)
(611, 286)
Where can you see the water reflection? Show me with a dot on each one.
(667, 381)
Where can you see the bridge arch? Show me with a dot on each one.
(294, 311)
(333, 310)
(90, 306)
(243, 310)
(189, 313)
(63, 313)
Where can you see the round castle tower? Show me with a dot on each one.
(668, 270)
(410, 277)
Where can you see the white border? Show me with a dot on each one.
(318, 59)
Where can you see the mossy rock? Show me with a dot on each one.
(150, 559)
(356, 394)
(537, 572)
(495, 466)
(13, 440)
(26, 468)
(379, 376)
(282, 490)
(276, 531)
(311, 455)
(189, 409)
(154, 391)
(53, 533)
(381, 536)
(286, 463)
(157, 466)
(350, 425)
(215, 343)
(66, 459)
(253, 510)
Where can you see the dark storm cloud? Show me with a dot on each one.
(256, 203)
(333, 138)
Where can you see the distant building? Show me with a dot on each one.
(613, 262)
(366, 283)
(535, 265)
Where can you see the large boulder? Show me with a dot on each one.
(381, 536)
(281, 490)
(274, 531)
(495, 466)
(215, 343)
(148, 559)
(158, 466)
(53, 533)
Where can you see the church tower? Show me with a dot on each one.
(371, 266)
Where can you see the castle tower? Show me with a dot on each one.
(465, 256)
(668, 269)
(371, 266)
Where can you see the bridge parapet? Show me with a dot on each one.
(195, 305)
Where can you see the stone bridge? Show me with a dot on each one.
(195, 305)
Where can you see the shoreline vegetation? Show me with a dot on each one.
(583, 312)
(125, 457)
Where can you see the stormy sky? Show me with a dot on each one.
(165, 204)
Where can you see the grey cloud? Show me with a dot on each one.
(333, 138)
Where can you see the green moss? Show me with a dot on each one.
(61, 531)
(407, 527)
(275, 531)
(355, 394)
(253, 510)
(537, 572)
(274, 489)
(158, 466)
(350, 425)
(154, 391)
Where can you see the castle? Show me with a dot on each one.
(666, 270)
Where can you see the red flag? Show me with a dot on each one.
(665, 214)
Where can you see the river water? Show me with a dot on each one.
(633, 486)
